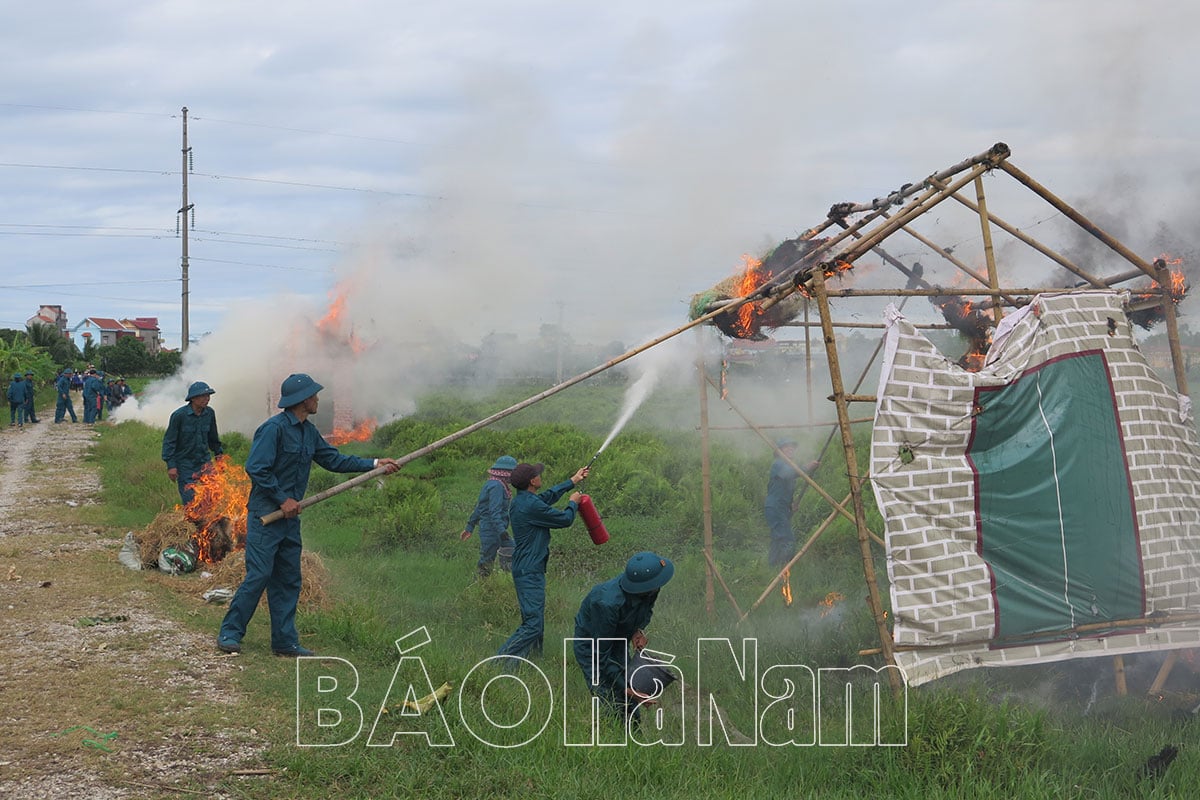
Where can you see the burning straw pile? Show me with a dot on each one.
(212, 528)
(748, 320)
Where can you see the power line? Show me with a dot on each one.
(73, 284)
(266, 266)
(87, 110)
(102, 230)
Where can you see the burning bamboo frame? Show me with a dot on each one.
(824, 260)
(802, 267)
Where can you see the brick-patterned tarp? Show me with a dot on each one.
(943, 591)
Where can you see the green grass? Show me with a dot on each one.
(397, 565)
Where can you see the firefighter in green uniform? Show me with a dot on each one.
(191, 434)
(63, 403)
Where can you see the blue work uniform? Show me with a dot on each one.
(187, 443)
(93, 388)
(281, 455)
(609, 612)
(781, 487)
(491, 515)
(532, 516)
(30, 412)
(63, 403)
(16, 402)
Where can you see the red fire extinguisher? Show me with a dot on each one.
(591, 519)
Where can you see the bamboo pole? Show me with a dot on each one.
(856, 420)
(1163, 672)
(1077, 218)
(908, 214)
(1061, 260)
(499, 415)
(808, 374)
(990, 157)
(988, 252)
(778, 578)
(930, 326)
(913, 277)
(941, 292)
(1035, 638)
(712, 565)
(1163, 276)
(705, 480)
(860, 515)
(1119, 674)
(821, 491)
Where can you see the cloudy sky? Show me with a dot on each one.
(476, 166)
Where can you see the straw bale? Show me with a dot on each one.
(231, 571)
(168, 529)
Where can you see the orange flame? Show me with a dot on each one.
(830, 269)
(359, 433)
(219, 508)
(753, 277)
(786, 587)
(830, 601)
(332, 323)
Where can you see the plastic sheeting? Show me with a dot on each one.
(1032, 503)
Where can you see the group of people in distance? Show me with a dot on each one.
(97, 396)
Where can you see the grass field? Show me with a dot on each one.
(397, 568)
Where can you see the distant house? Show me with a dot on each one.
(146, 329)
(50, 315)
(100, 331)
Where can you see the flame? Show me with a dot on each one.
(359, 433)
(972, 321)
(830, 269)
(219, 508)
(753, 276)
(332, 323)
(786, 587)
(830, 601)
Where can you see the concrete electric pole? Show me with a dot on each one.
(185, 210)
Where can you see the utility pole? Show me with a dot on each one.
(185, 210)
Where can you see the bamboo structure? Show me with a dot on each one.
(832, 247)
(899, 212)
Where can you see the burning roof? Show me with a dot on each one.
(767, 293)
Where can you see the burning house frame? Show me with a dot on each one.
(770, 292)
(773, 291)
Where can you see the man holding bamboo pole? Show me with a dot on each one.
(281, 455)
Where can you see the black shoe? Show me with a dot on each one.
(293, 652)
(229, 646)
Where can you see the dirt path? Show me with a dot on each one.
(82, 643)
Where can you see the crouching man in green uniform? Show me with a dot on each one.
(611, 626)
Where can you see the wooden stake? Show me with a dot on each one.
(706, 480)
(712, 565)
(860, 514)
(1163, 276)
(1164, 672)
(1119, 674)
(778, 578)
(988, 253)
